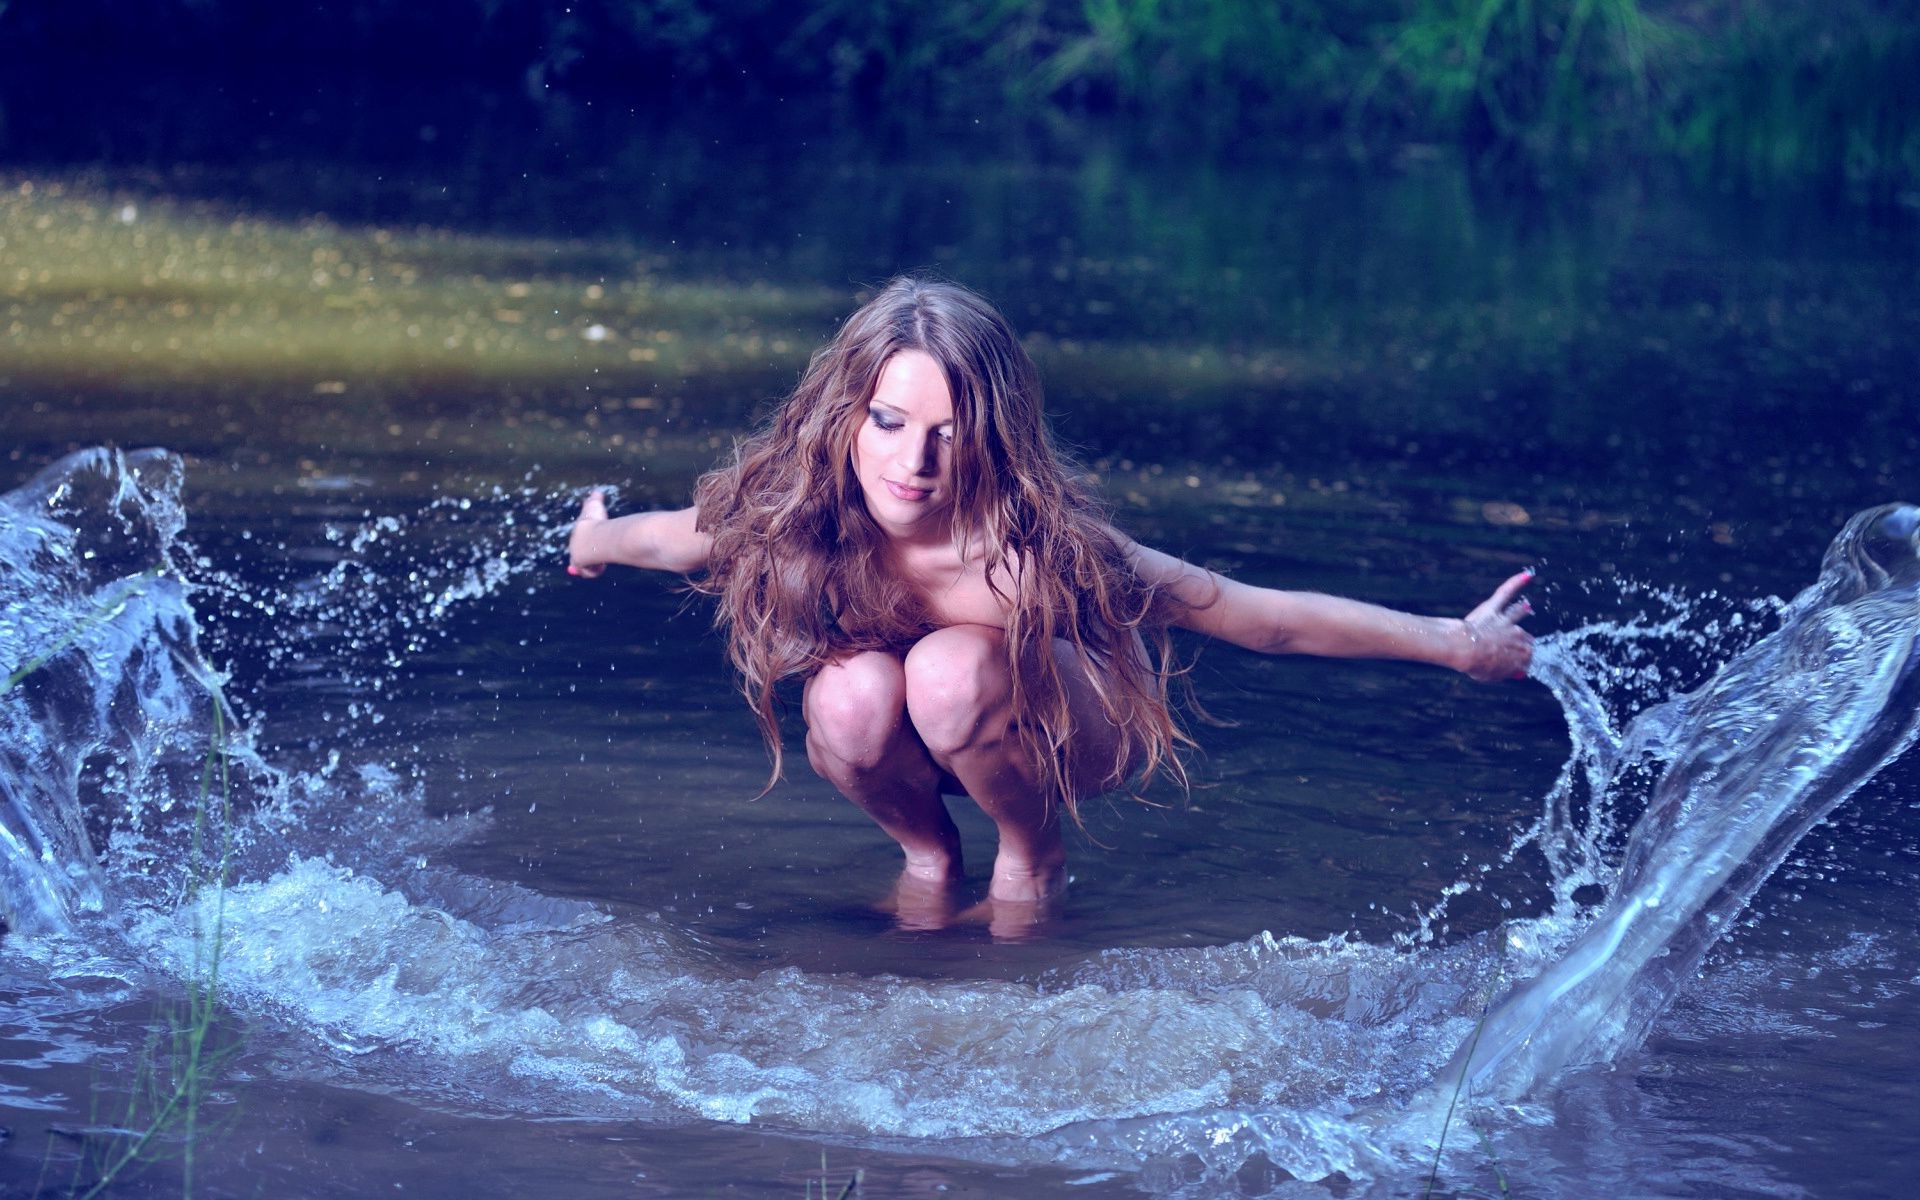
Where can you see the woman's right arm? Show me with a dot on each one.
(658, 541)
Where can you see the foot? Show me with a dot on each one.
(1024, 881)
(934, 864)
(1013, 920)
(921, 905)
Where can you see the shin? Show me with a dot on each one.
(859, 739)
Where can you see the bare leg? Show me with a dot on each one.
(959, 693)
(859, 739)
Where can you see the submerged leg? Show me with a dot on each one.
(959, 693)
(859, 739)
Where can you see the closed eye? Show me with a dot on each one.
(882, 420)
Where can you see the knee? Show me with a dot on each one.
(853, 709)
(958, 688)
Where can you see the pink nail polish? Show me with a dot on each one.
(573, 570)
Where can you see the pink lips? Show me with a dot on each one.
(902, 492)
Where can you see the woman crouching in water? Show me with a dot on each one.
(906, 538)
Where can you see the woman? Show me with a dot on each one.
(905, 537)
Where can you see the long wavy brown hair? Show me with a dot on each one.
(800, 568)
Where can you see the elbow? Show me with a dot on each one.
(1275, 639)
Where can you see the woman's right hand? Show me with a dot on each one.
(581, 560)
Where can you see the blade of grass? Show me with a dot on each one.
(105, 611)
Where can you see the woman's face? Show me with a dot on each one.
(903, 454)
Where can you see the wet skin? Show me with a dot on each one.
(895, 732)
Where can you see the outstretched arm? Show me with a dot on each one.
(1486, 644)
(659, 541)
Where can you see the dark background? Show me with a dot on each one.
(1801, 92)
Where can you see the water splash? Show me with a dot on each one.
(1749, 762)
(106, 688)
(1181, 1067)
(107, 720)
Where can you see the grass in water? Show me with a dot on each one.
(851, 1187)
(163, 1112)
(1453, 1101)
(1499, 1174)
(136, 588)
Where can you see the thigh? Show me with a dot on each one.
(961, 676)
(1097, 741)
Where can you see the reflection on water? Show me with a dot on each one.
(1381, 386)
(1592, 359)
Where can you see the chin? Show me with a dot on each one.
(901, 517)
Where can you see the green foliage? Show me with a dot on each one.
(1753, 93)
(1821, 91)
(1764, 92)
(1799, 89)
(1211, 58)
(1539, 76)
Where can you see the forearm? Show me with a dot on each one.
(1334, 627)
(657, 541)
(1487, 644)
(618, 542)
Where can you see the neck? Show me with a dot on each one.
(922, 543)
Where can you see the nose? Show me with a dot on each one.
(920, 455)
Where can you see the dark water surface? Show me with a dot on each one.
(1397, 384)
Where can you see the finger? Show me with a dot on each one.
(595, 505)
(1505, 593)
(1502, 596)
(1518, 611)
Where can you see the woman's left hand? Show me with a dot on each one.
(586, 527)
(1497, 648)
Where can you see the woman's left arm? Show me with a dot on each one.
(1486, 644)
